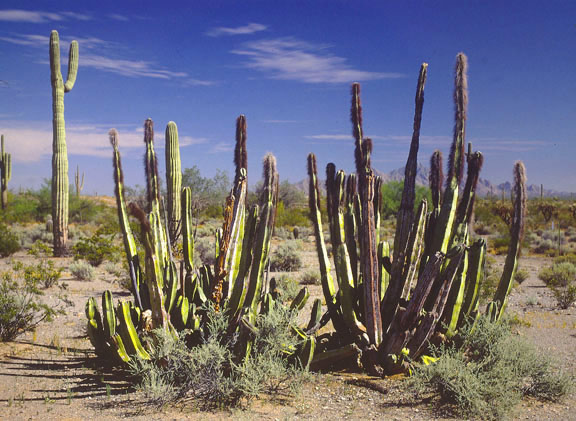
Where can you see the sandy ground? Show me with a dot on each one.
(53, 374)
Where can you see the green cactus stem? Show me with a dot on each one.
(516, 235)
(263, 233)
(5, 173)
(127, 237)
(173, 182)
(59, 151)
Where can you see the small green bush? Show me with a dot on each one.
(310, 277)
(97, 248)
(9, 243)
(570, 258)
(559, 274)
(521, 275)
(488, 374)
(31, 234)
(287, 257)
(82, 270)
(286, 288)
(43, 273)
(39, 249)
(561, 279)
(302, 232)
(114, 269)
(291, 216)
(282, 233)
(491, 280)
(20, 307)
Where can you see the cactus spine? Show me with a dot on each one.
(59, 151)
(5, 173)
(173, 182)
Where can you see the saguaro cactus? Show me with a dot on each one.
(173, 181)
(5, 174)
(78, 181)
(59, 152)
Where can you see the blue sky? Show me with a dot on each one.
(288, 67)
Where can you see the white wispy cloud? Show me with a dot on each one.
(239, 30)
(32, 141)
(89, 58)
(118, 17)
(222, 147)
(27, 39)
(33, 16)
(292, 59)
(131, 68)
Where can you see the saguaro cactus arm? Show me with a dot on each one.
(173, 181)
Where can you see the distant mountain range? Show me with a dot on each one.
(484, 188)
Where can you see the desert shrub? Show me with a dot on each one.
(283, 233)
(553, 235)
(500, 244)
(210, 374)
(286, 287)
(488, 374)
(392, 195)
(114, 269)
(558, 273)
(97, 248)
(204, 251)
(561, 279)
(39, 249)
(570, 258)
(9, 243)
(482, 229)
(302, 232)
(310, 277)
(85, 209)
(20, 307)
(286, 257)
(545, 247)
(82, 270)
(291, 216)
(521, 275)
(43, 273)
(491, 279)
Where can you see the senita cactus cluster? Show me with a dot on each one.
(389, 305)
(388, 302)
(59, 151)
(174, 296)
(5, 173)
